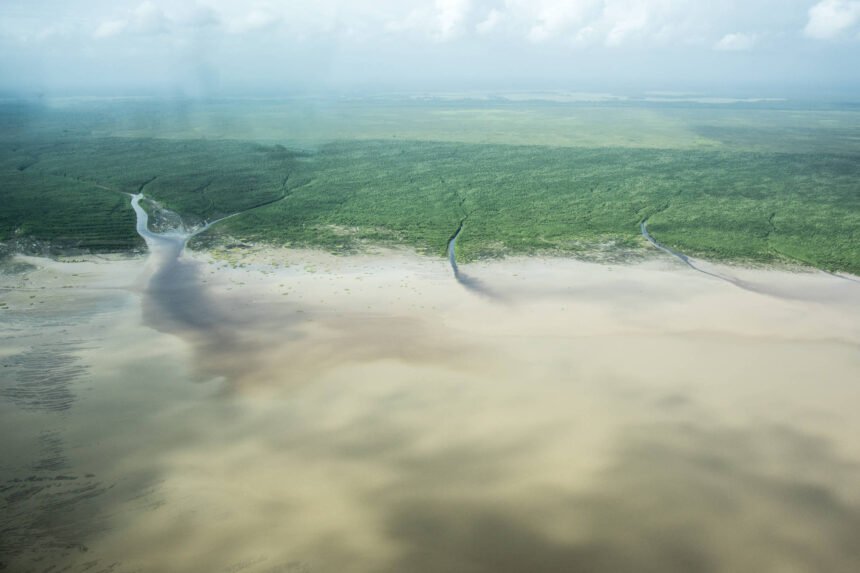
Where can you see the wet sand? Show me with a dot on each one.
(276, 410)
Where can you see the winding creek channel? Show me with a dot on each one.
(452, 252)
(689, 262)
(469, 282)
(732, 280)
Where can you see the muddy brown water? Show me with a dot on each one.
(317, 413)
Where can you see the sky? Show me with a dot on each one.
(201, 48)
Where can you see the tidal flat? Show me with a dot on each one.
(291, 410)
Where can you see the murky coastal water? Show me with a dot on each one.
(312, 413)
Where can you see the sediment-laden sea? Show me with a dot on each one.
(281, 410)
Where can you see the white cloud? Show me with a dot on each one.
(450, 15)
(55, 32)
(357, 40)
(736, 42)
(551, 19)
(626, 19)
(609, 22)
(562, 24)
(259, 18)
(412, 21)
(569, 23)
(586, 34)
(198, 16)
(110, 28)
(146, 19)
(830, 18)
(490, 23)
(442, 21)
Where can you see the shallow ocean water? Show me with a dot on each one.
(370, 414)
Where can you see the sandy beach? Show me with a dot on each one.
(311, 412)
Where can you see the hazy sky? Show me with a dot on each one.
(211, 47)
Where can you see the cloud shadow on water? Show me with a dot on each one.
(675, 499)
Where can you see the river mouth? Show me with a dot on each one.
(294, 411)
(174, 298)
(466, 280)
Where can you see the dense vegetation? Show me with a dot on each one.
(201, 180)
(72, 192)
(758, 186)
(45, 213)
(719, 204)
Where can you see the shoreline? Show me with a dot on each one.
(510, 281)
(646, 253)
(268, 257)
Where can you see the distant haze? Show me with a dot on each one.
(203, 48)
